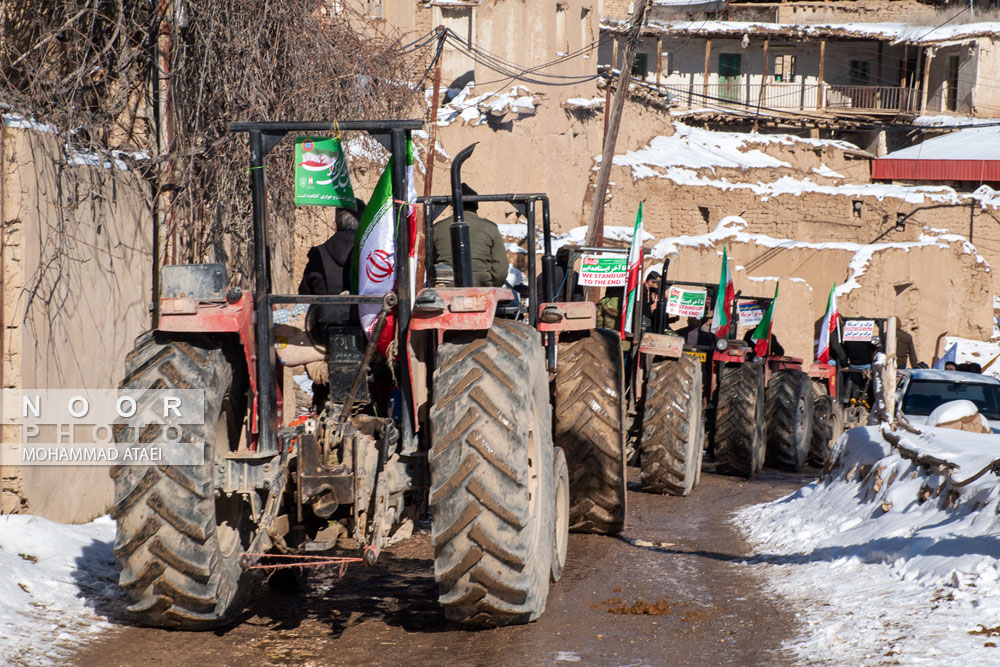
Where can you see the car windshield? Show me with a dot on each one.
(922, 396)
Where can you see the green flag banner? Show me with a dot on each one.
(321, 174)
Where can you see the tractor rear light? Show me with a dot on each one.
(469, 304)
(550, 315)
(178, 306)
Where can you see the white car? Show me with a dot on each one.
(922, 390)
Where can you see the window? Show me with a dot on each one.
(665, 63)
(639, 62)
(562, 43)
(860, 72)
(784, 68)
(376, 8)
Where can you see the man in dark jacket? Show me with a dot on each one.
(489, 255)
(905, 349)
(328, 265)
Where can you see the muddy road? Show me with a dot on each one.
(669, 591)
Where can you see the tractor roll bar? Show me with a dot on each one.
(264, 136)
(435, 205)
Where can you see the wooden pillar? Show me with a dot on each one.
(763, 78)
(821, 92)
(614, 53)
(708, 65)
(878, 77)
(659, 59)
(928, 56)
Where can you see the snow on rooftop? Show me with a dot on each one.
(947, 121)
(473, 110)
(974, 143)
(56, 581)
(732, 228)
(879, 576)
(691, 148)
(892, 32)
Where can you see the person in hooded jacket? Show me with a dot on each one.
(328, 265)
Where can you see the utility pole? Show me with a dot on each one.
(595, 228)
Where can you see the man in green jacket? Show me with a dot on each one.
(489, 256)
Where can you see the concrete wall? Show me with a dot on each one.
(77, 290)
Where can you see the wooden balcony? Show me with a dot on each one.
(796, 96)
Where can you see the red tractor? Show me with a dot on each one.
(756, 407)
(465, 435)
(466, 438)
(585, 366)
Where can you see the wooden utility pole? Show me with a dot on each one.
(821, 93)
(595, 228)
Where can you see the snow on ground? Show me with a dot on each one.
(879, 576)
(57, 584)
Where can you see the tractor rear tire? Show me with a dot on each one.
(179, 543)
(492, 493)
(828, 424)
(739, 420)
(671, 445)
(589, 420)
(788, 412)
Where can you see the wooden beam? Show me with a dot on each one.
(821, 92)
(763, 79)
(928, 56)
(659, 58)
(708, 66)
(595, 227)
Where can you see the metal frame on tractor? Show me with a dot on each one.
(595, 453)
(480, 457)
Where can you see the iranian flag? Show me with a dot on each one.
(828, 330)
(761, 337)
(634, 269)
(373, 264)
(723, 305)
(411, 216)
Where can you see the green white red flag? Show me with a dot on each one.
(761, 337)
(723, 300)
(373, 264)
(828, 330)
(411, 216)
(634, 267)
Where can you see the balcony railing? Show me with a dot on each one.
(796, 96)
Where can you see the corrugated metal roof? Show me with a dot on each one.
(966, 155)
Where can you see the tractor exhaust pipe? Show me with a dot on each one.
(461, 252)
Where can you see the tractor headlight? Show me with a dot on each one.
(722, 344)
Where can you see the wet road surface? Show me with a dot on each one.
(668, 591)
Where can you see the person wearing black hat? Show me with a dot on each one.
(489, 255)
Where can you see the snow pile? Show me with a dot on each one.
(594, 103)
(694, 148)
(826, 172)
(680, 155)
(475, 110)
(732, 229)
(954, 411)
(974, 351)
(112, 159)
(889, 561)
(58, 583)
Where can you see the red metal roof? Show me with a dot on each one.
(935, 170)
